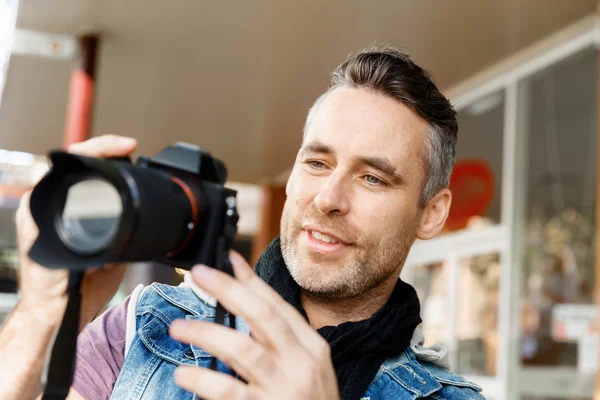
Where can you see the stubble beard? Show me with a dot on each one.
(371, 262)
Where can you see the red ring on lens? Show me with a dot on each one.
(193, 202)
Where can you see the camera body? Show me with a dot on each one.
(173, 209)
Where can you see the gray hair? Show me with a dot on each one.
(392, 73)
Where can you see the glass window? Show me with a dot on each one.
(477, 177)
(430, 284)
(474, 316)
(477, 314)
(559, 114)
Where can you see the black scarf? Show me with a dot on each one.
(357, 348)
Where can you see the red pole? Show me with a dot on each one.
(81, 93)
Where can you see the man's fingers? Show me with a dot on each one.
(262, 317)
(309, 339)
(240, 352)
(211, 385)
(105, 146)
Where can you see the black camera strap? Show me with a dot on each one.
(223, 264)
(58, 374)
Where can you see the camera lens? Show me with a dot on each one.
(90, 216)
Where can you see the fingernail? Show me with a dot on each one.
(125, 141)
(202, 272)
(72, 147)
(240, 265)
(235, 257)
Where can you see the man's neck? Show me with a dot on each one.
(333, 312)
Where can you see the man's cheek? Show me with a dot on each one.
(301, 195)
(378, 217)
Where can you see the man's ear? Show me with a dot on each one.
(435, 215)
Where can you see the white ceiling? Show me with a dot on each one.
(237, 77)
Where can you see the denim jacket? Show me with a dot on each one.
(152, 355)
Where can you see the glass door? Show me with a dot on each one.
(558, 344)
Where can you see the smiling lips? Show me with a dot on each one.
(323, 237)
(323, 242)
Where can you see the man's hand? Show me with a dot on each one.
(285, 358)
(43, 289)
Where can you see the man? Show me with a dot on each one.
(325, 315)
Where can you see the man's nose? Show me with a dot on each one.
(333, 196)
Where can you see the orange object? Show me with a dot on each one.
(81, 94)
(472, 186)
(79, 108)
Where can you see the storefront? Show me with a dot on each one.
(512, 292)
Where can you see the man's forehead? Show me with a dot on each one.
(368, 123)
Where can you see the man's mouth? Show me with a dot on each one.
(323, 241)
(324, 234)
(323, 237)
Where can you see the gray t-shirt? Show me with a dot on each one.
(100, 353)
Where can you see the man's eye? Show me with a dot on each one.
(372, 180)
(316, 164)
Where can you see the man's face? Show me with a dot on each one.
(352, 210)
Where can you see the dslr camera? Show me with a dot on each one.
(172, 208)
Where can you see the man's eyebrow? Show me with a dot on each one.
(317, 147)
(384, 166)
(381, 164)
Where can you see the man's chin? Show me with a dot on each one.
(329, 291)
(316, 277)
(323, 260)
(320, 264)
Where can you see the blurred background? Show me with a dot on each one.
(512, 284)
